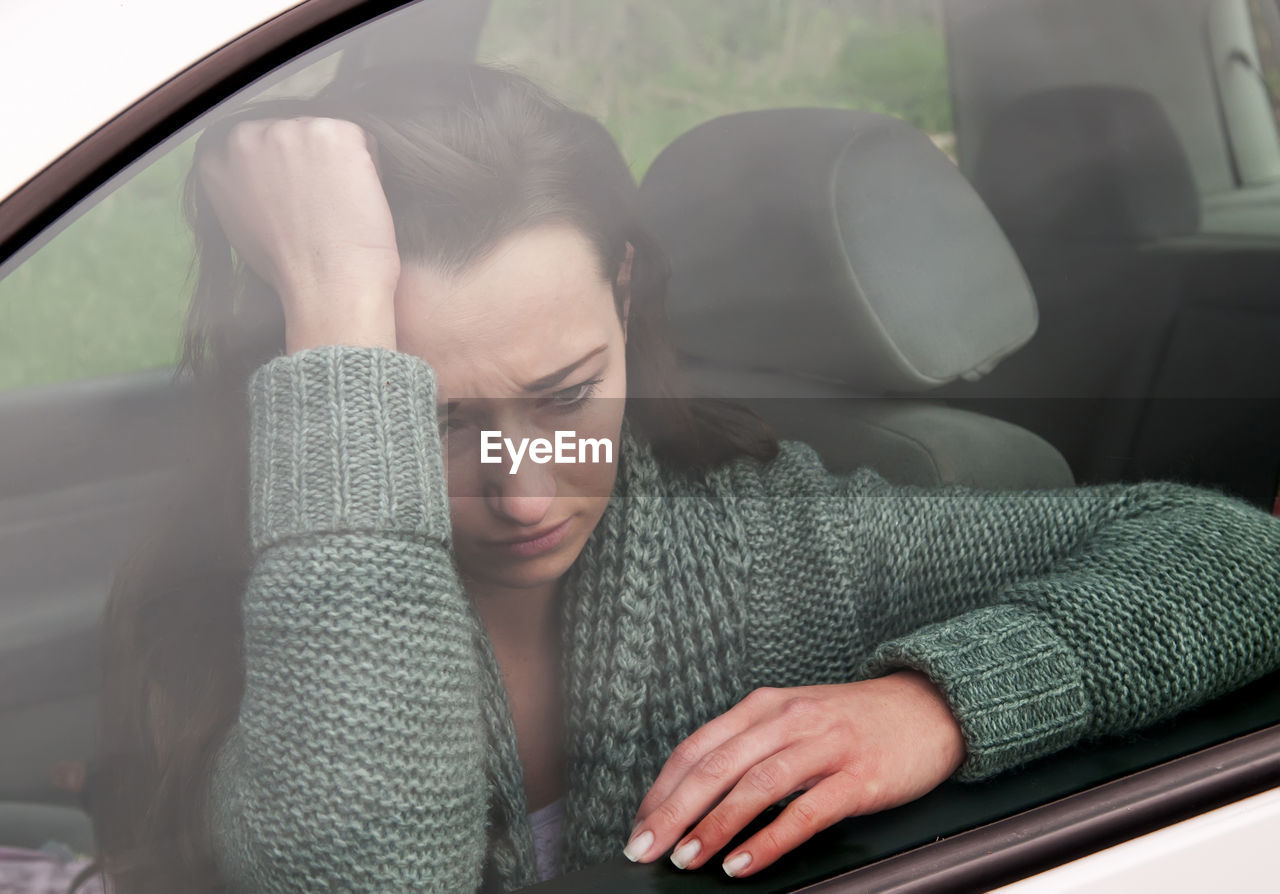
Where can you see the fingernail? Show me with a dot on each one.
(736, 864)
(685, 853)
(638, 847)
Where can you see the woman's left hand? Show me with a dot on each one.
(852, 748)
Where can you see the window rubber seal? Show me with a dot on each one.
(1077, 825)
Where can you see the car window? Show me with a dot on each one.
(1018, 278)
(1241, 42)
(107, 294)
(94, 428)
(1242, 47)
(91, 304)
(651, 71)
(1265, 38)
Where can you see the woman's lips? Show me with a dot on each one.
(536, 545)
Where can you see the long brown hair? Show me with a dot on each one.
(468, 155)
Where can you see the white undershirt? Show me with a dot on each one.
(546, 824)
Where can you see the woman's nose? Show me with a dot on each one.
(523, 498)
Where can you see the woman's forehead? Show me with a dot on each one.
(536, 271)
(533, 305)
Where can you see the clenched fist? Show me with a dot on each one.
(301, 203)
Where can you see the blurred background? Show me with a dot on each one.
(90, 304)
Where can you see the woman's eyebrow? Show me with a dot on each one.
(555, 378)
(547, 381)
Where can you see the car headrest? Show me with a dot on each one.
(1087, 164)
(834, 245)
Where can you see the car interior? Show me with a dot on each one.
(1082, 292)
(787, 232)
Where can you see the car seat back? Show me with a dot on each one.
(829, 268)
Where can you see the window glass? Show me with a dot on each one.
(93, 440)
(652, 70)
(1241, 43)
(107, 294)
(1265, 21)
(93, 464)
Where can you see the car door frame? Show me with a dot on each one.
(995, 853)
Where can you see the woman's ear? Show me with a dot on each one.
(623, 287)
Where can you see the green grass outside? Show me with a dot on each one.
(651, 69)
(108, 294)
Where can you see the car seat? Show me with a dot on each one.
(1156, 353)
(828, 269)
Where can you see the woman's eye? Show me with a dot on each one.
(449, 423)
(572, 397)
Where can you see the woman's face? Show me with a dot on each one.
(525, 343)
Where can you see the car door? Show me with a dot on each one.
(96, 429)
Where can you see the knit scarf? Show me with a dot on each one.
(653, 647)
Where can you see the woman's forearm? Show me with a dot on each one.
(357, 762)
(1168, 596)
(1043, 616)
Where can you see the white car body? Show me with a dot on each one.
(1230, 849)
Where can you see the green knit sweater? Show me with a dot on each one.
(375, 750)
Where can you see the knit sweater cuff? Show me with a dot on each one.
(345, 440)
(1012, 683)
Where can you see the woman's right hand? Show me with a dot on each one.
(301, 203)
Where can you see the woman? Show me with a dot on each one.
(663, 640)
